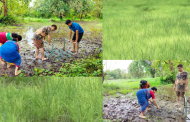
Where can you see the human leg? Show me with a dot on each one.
(178, 98)
(42, 53)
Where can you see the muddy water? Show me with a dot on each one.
(91, 42)
(126, 108)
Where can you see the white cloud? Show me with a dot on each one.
(116, 64)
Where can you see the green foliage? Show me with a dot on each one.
(146, 29)
(88, 67)
(71, 9)
(125, 86)
(51, 99)
(10, 19)
(168, 79)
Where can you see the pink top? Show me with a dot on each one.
(3, 37)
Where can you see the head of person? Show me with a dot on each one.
(53, 27)
(68, 22)
(16, 36)
(180, 67)
(154, 89)
(143, 83)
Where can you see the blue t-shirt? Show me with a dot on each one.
(76, 26)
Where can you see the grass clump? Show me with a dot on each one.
(51, 99)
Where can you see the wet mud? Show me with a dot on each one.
(125, 108)
(89, 45)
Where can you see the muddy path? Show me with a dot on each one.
(89, 45)
(125, 108)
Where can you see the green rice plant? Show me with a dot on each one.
(146, 29)
(52, 99)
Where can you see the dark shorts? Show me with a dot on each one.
(79, 37)
(181, 94)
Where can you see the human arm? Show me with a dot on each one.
(187, 80)
(153, 98)
(1, 44)
(70, 33)
(175, 84)
(154, 101)
(44, 38)
(49, 39)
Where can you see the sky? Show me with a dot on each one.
(32, 3)
(115, 64)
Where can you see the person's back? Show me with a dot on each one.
(43, 31)
(9, 50)
(142, 96)
(75, 26)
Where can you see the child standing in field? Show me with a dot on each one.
(78, 34)
(9, 51)
(38, 37)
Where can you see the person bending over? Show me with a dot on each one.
(78, 34)
(38, 37)
(9, 51)
(143, 95)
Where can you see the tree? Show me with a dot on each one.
(169, 67)
(141, 67)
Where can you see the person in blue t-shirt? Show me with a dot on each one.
(78, 33)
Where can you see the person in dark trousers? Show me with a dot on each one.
(61, 16)
(78, 34)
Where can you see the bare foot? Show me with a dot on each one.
(44, 59)
(76, 53)
(141, 116)
(18, 72)
(72, 50)
(148, 109)
(176, 104)
(8, 65)
(2, 62)
(37, 57)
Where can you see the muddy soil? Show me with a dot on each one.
(125, 108)
(89, 45)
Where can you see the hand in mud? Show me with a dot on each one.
(158, 107)
(69, 40)
(49, 43)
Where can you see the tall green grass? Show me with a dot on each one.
(125, 86)
(51, 99)
(146, 29)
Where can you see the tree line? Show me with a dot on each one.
(166, 69)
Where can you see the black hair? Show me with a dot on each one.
(68, 21)
(14, 39)
(19, 37)
(154, 88)
(180, 65)
(143, 83)
(14, 35)
(55, 26)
